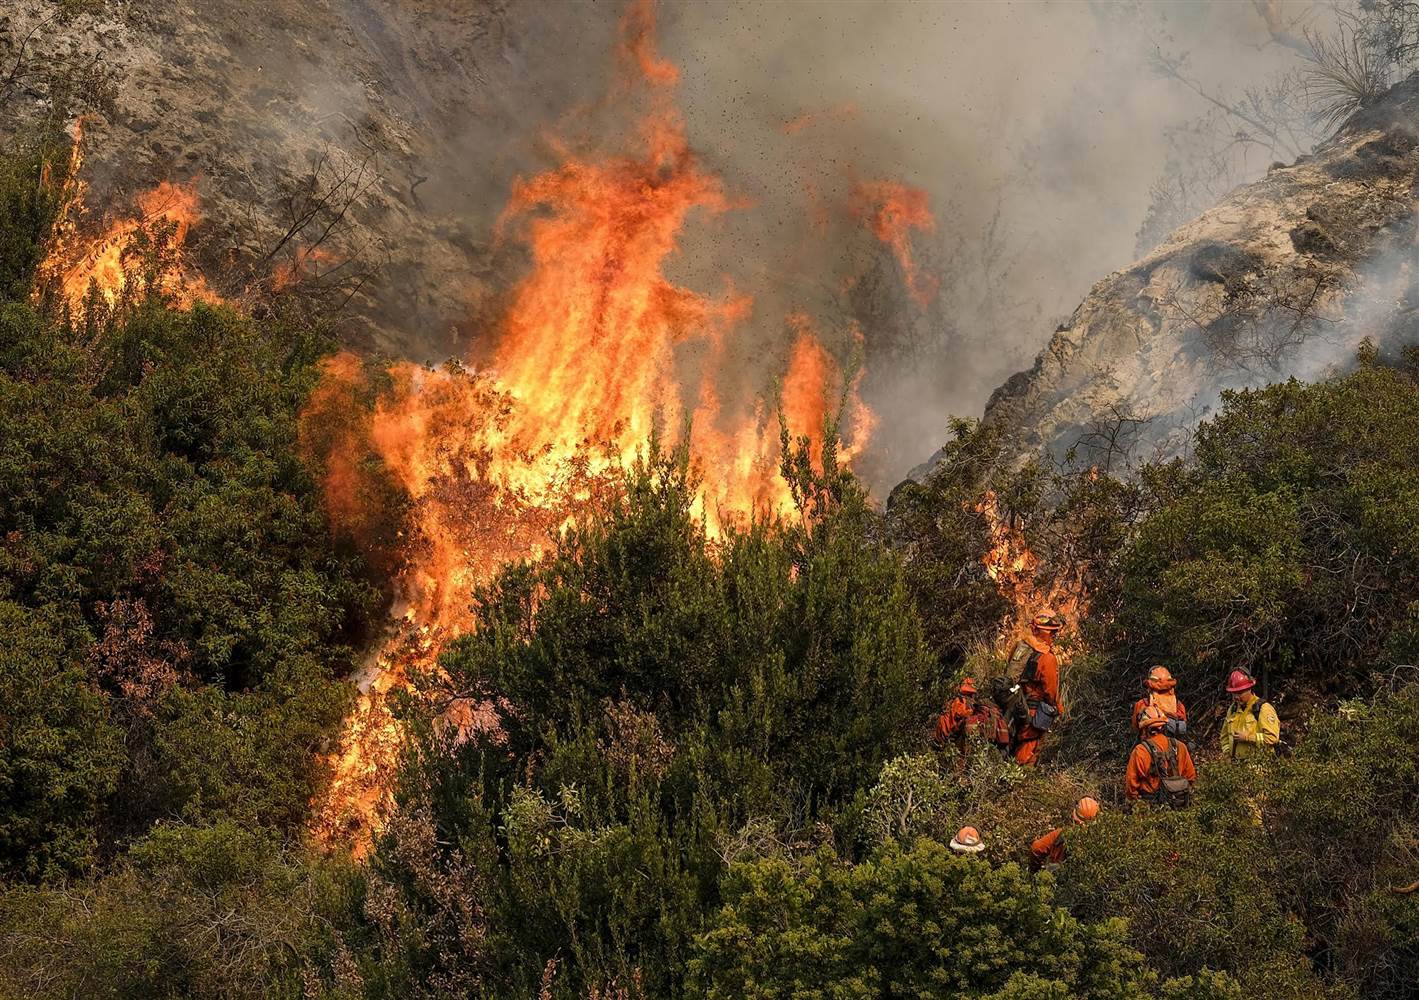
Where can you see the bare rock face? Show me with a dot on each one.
(1285, 278)
(393, 131)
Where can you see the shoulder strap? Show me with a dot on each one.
(1152, 756)
(1031, 672)
(1256, 709)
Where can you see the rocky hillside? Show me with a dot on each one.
(1285, 277)
(385, 134)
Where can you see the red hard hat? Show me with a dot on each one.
(1240, 681)
(1159, 679)
(968, 685)
(1152, 717)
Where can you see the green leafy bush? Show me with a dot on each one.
(215, 912)
(176, 615)
(910, 922)
(1290, 546)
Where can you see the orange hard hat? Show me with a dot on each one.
(1048, 621)
(968, 685)
(1152, 717)
(1086, 809)
(1159, 679)
(967, 841)
(1240, 681)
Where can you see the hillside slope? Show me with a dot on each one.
(1284, 277)
(398, 127)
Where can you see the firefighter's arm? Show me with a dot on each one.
(1227, 735)
(1268, 732)
(1133, 777)
(1042, 845)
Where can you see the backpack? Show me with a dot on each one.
(1024, 667)
(987, 722)
(1011, 700)
(1173, 790)
(1024, 663)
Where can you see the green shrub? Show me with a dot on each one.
(60, 753)
(1289, 547)
(214, 912)
(909, 922)
(1342, 816)
(160, 529)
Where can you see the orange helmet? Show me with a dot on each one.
(1152, 717)
(1048, 621)
(968, 685)
(1086, 809)
(967, 841)
(1240, 681)
(1159, 679)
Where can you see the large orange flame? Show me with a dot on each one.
(597, 352)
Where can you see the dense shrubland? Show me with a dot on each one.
(175, 616)
(712, 776)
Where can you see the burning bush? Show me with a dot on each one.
(768, 675)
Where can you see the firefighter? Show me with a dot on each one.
(967, 841)
(1251, 727)
(1036, 670)
(1049, 850)
(1160, 768)
(1161, 690)
(966, 715)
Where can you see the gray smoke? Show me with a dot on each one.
(1036, 129)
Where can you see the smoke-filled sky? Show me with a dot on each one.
(1050, 114)
(1035, 129)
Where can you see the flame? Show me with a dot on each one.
(306, 262)
(893, 210)
(597, 351)
(1016, 570)
(105, 262)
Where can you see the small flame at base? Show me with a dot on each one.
(106, 263)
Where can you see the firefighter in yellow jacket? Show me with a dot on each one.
(1251, 727)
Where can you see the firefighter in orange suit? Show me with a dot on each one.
(1160, 769)
(1162, 691)
(968, 713)
(1036, 668)
(1049, 850)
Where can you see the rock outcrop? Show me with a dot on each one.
(1285, 277)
